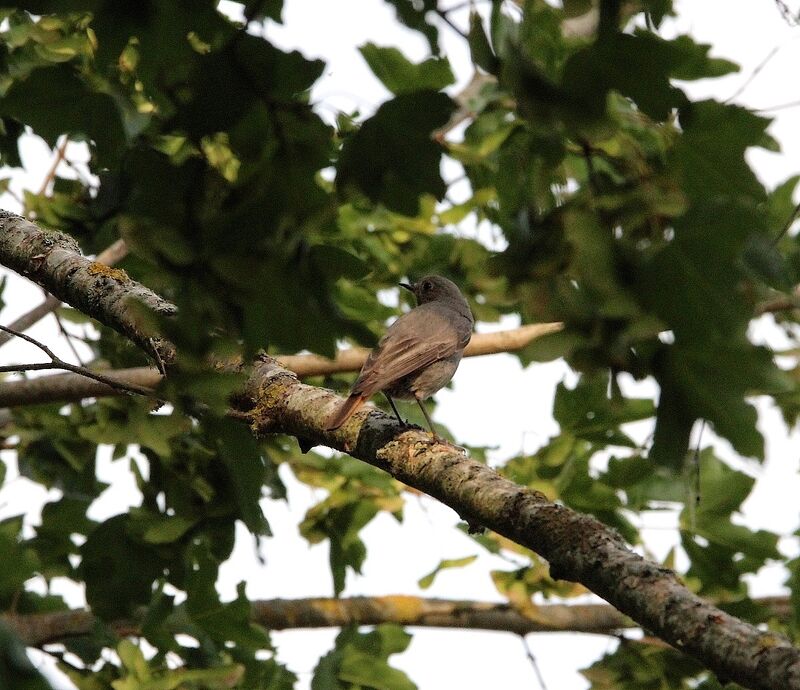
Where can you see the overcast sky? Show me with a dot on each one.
(493, 401)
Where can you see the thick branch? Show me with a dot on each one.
(71, 387)
(294, 614)
(578, 548)
(109, 256)
(53, 260)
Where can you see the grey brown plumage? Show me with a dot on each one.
(420, 351)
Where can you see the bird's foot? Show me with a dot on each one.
(443, 441)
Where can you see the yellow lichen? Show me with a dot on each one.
(405, 608)
(98, 269)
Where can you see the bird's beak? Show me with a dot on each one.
(408, 287)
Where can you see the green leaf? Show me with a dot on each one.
(765, 262)
(710, 154)
(54, 101)
(793, 582)
(635, 666)
(728, 550)
(708, 391)
(54, 536)
(674, 425)
(480, 48)
(551, 346)
(167, 529)
(426, 581)
(334, 263)
(400, 75)
(113, 587)
(361, 660)
(375, 159)
(217, 621)
(242, 458)
(20, 560)
(16, 669)
(414, 14)
(589, 412)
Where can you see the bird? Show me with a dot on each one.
(419, 353)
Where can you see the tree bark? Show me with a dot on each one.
(53, 261)
(109, 256)
(40, 629)
(578, 548)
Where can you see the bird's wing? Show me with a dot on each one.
(415, 340)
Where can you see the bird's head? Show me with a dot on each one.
(435, 289)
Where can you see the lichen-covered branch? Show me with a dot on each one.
(293, 614)
(53, 260)
(112, 254)
(578, 547)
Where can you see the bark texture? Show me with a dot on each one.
(39, 629)
(53, 260)
(109, 256)
(578, 547)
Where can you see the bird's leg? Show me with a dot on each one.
(394, 409)
(428, 419)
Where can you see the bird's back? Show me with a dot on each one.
(427, 334)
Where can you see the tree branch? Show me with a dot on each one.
(72, 387)
(293, 614)
(53, 260)
(112, 254)
(58, 363)
(578, 547)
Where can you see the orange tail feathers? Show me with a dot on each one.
(344, 412)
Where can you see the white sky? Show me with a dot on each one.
(519, 416)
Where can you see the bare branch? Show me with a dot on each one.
(58, 363)
(60, 152)
(34, 366)
(24, 322)
(71, 388)
(578, 547)
(293, 614)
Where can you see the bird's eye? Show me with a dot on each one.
(427, 285)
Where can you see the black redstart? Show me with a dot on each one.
(419, 353)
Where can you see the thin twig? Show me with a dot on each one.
(761, 65)
(781, 106)
(792, 217)
(534, 663)
(787, 14)
(68, 337)
(459, 6)
(443, 16)
(58, 363)
(61, 151)
(33, 366)
(16, 197)
(586, 149)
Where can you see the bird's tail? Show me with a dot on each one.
(342, 413)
